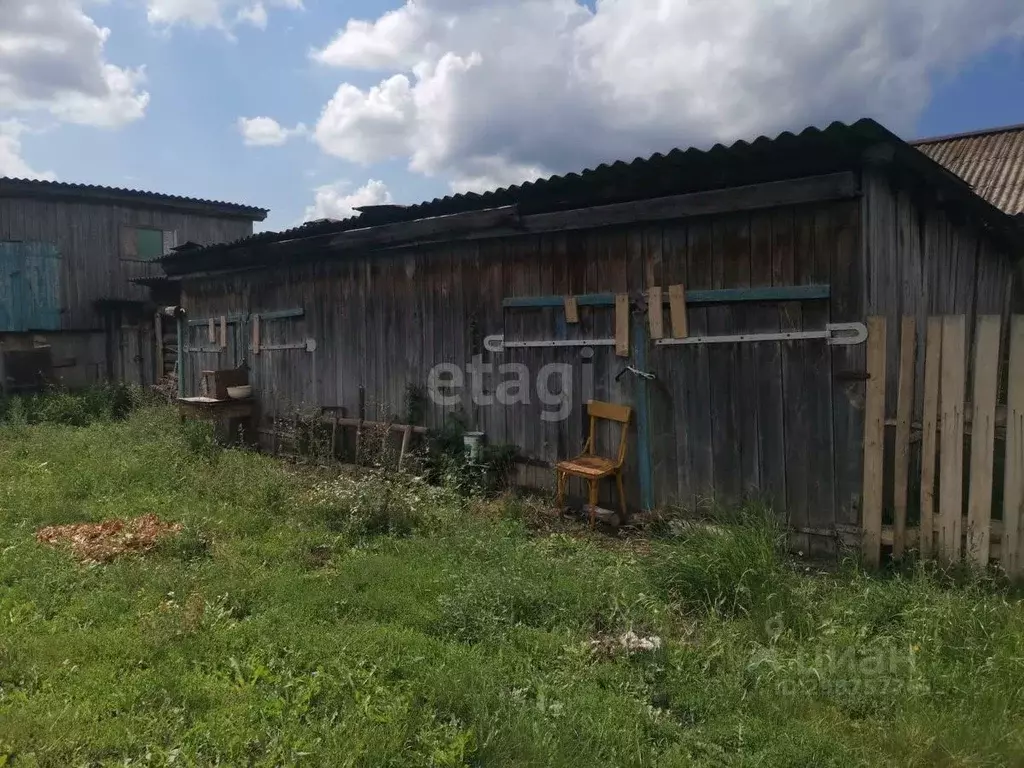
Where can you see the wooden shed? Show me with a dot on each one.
(733, 275)
(70, 256)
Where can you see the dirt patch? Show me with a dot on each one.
(110, 539)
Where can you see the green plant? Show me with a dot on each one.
(448, 463)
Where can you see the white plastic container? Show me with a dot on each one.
(474, 443)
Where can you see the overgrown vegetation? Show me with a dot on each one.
(100, 402)
(302, 617)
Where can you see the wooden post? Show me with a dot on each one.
(929, 436)
(904, 415)
(211, 331)
(158, 332)
(1013, 479)
(223, 332)
(874, 443)
(983, 437)
(255, 334)
(655, 313)
(406, 439)
(951, 443)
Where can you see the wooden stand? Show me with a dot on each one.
(227, 414)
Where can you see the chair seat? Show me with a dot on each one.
(587, 466)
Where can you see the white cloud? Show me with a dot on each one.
(266, 131)
(12, 164)
(498, 90)
(218, 14)
(332, 202)
(52, 58)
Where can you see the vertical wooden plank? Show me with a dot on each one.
(951, 450)
(572, 310)
(694, 423)
(847, 306)
(784, 250)
(764, 318)
(677, 311)
(1013, 479)
(929, 429)
(983, 437)
(255, 334)
(904, 414)
(723, 362)
(223, 332)
(211, 331)
(874, 442)
(655, 312)
(622, 324)
(158, 333)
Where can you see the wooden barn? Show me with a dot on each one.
(69, 258)
(738, 279)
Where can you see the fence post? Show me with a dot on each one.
(874, 443)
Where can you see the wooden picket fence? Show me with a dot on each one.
(958, 443)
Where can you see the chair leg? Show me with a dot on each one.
(560, 493)
(622, 499)
(593, 502)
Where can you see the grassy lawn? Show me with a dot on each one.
(302, 618)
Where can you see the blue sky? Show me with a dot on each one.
(477, 122)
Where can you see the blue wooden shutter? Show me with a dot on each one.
(29, 287)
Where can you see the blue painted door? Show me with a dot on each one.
(29, 287)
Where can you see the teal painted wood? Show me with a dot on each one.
(29, 287)
(643, 416)
(717, 296)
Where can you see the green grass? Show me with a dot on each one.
(306, 618)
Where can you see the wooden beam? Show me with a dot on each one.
(983, 436)
(677, 311)
(874, 443)
(904, 414)
(656, 313)
(256, 335)
(622, 325)
(951, 445)
(710, 296)
(1013, 479)
(435, 227)
(929, 431)
(774, 194)
(572, 310)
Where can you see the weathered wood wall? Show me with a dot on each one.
(88, 237)
(780, 420)
(923, 259)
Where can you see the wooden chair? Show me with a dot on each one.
(591, 467)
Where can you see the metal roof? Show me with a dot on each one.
(813, 151)
(991, 161)
(11, 187)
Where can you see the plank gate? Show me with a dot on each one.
(951, 483)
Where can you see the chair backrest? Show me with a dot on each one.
(610, 412)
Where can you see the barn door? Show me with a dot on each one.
(562, 354)
(211, 343)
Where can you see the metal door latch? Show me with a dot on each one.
(636, 372)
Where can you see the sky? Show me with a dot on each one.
(313, 107)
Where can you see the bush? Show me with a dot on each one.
(732, 568)
(102, 402)
(376, 503)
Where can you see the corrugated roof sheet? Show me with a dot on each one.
(991, 161)
(12, 187)
(811, 152)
